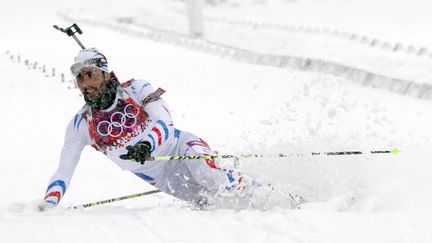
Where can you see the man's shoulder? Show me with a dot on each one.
(83, 110)
(79, 117)
(138, 87)
(135, 84)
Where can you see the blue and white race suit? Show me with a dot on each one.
(130, 120)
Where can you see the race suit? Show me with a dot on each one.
(136, 115)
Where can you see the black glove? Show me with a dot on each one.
(139, 152)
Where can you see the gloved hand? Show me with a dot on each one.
(139, 152)
(42, 206)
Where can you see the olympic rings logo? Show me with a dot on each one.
(119, 121)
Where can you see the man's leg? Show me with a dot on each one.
(228, 187)
(208, 173)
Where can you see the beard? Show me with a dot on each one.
(105, 97)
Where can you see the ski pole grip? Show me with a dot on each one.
(70, 31)
(77, 29)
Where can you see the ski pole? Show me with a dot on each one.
(70, 31)
(393, 151)
(92, 204)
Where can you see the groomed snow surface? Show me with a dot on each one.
(237, 108)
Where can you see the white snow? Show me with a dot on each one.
(237, 108)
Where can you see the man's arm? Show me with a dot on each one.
(161, 127)
(70, 155)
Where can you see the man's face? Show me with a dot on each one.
(90, 81)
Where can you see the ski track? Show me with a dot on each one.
(230, 51)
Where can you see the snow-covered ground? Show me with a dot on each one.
(236, 108)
